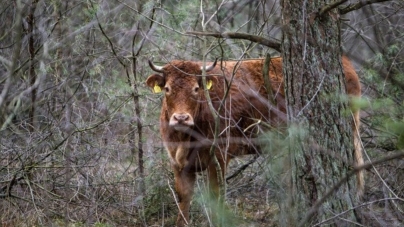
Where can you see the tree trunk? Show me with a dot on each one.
(321, 135)
(32, 73)
(139, 126)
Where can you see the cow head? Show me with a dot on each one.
(181, 83)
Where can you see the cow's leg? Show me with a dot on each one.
(184, 186)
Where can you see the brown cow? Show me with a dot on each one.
(239, 97)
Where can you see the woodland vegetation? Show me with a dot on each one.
(79, 132)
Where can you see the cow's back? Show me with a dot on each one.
(250, 73)
(246, 103)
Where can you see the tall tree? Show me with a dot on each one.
(314, 83)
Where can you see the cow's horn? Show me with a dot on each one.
(209, 68)
(155, 68)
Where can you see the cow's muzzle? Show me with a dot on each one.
(181, 120)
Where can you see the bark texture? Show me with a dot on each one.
(322, 143)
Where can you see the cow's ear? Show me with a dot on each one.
(156, 88)
(155, 82)
(210, 81)
(209, 84)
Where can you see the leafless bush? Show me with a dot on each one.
(70, 74)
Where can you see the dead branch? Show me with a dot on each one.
(276, 45)
(329, 7)
(367, 165)
(358, 5)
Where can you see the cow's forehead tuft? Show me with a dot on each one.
(182, 80)
(176, 68)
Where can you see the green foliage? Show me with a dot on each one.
(100, 224)
(148, 7)
(275, 144)
(159, 199)
(396, 130)
(91, 11)
(387, 105)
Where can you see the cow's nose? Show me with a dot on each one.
(181, 117)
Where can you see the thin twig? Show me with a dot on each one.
(242, 168)
(15, 55)
(176, 201)
(150, 19)
(356, 207)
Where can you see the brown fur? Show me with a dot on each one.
(245, 104)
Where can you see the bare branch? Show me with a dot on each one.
(149, 18)
(362, 205)
(356, 169)
(359, 5)
(349, 8)
(15, 56)
(109, 40)
(242, 168)
(276, 45)
(329, 7)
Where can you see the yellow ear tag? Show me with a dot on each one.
(156, 88)
(209, 84)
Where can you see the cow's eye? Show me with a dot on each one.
(167, 89)
(196, 89)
